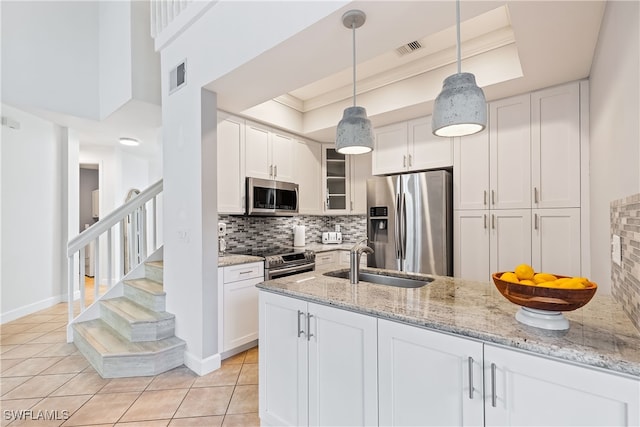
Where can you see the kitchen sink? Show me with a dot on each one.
(382, 279)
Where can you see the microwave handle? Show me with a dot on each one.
(297, 199)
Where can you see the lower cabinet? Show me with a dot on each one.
(318, 365)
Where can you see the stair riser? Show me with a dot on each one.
(153, 272)
(152, 302)
(148, 365)
(90, 353)
(139, 331)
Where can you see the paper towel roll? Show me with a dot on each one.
(298, 235)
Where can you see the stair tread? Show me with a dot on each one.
(159, 264)
(108, 342)
(150, 286)
(135, 313)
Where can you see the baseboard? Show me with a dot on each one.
(25, 310)
(239, 349)
(202, 366)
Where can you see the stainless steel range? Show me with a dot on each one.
(282, 261)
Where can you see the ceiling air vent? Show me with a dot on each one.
(178, 77)
(408, 48)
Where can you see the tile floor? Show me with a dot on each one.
(40, 372)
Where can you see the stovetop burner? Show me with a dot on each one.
(266, 251)
(278, 256)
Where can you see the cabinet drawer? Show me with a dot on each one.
(243, 271)
(325, 258)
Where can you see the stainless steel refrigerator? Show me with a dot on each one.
(409, 222)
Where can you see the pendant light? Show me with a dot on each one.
(461, 108)
(354, 134)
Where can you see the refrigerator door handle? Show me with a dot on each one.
(397, 227)
(403, 228)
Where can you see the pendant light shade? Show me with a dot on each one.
(354, 134)
(461, 108)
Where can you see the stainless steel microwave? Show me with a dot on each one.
(271, 198)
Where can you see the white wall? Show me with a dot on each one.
(33, 199)
(614, 126)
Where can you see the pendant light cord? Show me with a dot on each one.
(458, 34)
(353, 28)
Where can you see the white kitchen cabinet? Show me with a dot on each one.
(318, 365)
(328, 259)
(308, 176)
(523, 389)
(471, 188)
(231, 183)
(410, 146)
(240, 306)
(471, 245)
(345, 259)
(510, 239)
(427, 378)
(510, 153)
(555, 147)
(556, 241)
(269, 154)
(345, 181)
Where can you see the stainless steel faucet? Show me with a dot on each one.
(354, 259)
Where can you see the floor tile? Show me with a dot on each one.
(7, 364)
(38, 386)
(9, 406)
(244, 400)
(32, 366)
(46, 327)
(39, 318)
(225, 375)
(9, 383)
(154, 423)
(20, 338)
(241, 420)
(181, 377)
(68, 365)
(120, 385)
(238, 359)
(205, 401)
(63, 349)
(248, 374)
(83, 383)
(7, 329)
(25, 350)
(5, 348)
(155, 405)
(51, 337)
(53, 411)
(213, 421)
(102, 409)
(252, 355)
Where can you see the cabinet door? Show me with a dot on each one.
(258, 155)
(428, 378)
(510, 153)
(230, 165)
(283, 361)
(534, 391)
(282, 157)
(390, 149)
(326, 259)
(342, 368)
(427, 151)
(471, 172)
(359, 171)
(336, 180)
(471, 247)
(240, 313)
(555, 147)
(308, 175)
(556, 241)
(510, 242)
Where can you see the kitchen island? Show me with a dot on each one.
(600, 345)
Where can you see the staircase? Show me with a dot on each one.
(134, 335)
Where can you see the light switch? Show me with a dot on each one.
(616, 250)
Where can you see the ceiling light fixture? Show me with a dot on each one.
(461, 108)
(131, 142)
(354, 134)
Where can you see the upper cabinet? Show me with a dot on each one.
(269, 154)
(308, 176)
(345, 181)
(410, 146)
(231, 146)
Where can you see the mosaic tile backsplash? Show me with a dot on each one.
(625, 279)
(260, 232)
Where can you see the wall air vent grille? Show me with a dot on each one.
(408, 48)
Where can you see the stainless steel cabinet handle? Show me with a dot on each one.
(404, 161)
(275, 171)
(300, 331)
(535, 194)
(351, 205)
(493, 197)
(485, 220)
(493, 385)
(410, 160)
(535, 221)
(484, 197)
(493, 221)
(270, 170)
(309, 334)
(246, 272)
(470, 362)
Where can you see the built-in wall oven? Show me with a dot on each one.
(271, 198)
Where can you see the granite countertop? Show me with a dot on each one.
(227, 260)
(600, 333)
(319, 247)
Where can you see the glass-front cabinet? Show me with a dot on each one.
(344, 181)
(336, 167)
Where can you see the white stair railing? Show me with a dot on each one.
(132, 221)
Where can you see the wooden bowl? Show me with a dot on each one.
(541, 298)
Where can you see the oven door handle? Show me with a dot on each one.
(290, 269)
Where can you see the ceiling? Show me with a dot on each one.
(512, 47)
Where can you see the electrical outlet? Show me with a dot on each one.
(616, 250)
(337, 228)
(222, 229)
